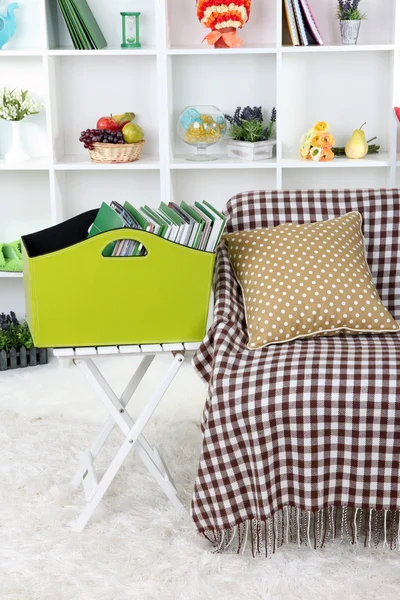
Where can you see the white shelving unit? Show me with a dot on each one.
(344, 85)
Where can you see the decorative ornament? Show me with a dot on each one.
(8, 24)
(223, 17)
(317, 143)
(130, 30)
(201, 126)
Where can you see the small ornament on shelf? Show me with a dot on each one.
(249, 135)
(317, 143)
(116, 139)
(15, 106)
(130, 30)
(201, 126)
(350, 20)
(8, 24)
(223, 17)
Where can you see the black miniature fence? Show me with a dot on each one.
(23, 357)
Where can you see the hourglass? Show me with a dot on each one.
(130, 30)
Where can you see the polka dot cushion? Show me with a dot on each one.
(304, 280)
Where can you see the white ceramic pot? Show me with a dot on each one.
(349, 31)
(250, 150)
(17, 151)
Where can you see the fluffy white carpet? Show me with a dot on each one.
(136, 547)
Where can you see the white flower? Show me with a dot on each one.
(17, 104)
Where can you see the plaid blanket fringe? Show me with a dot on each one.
(369, 528)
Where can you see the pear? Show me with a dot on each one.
(357, 146)
(129, 116)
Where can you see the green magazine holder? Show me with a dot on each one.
(77, 297)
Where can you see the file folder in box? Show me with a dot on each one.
(77, 297)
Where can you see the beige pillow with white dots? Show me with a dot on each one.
(305, 280)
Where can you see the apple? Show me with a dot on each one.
(107, 123)
(124, 121)
(132, 133)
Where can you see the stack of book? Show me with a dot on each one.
(299, 27)
(198, 226)
(82, 26)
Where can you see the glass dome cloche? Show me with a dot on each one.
(201, 126)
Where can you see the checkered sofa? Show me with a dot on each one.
(301, 441)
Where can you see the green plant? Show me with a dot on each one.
(248, 125)
(14, 334)
(17, 104)
(347, 10)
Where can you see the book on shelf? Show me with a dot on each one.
(81, 24)
(299, 26)
(197, 226)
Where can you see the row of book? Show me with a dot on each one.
(300, 28)
(198, 226)
(82, 25)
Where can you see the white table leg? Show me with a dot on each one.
(133, 436)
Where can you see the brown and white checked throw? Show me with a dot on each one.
(301, 441)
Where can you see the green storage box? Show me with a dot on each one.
(77, 297)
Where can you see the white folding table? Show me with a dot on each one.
(94, 488)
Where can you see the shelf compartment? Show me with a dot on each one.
(114, 84)
(26, 73)
(80, 162)
(107, 14)
(218, 185)
(184, 27)
(379, 26)
(342, 103)
(24, 203)
(222, 162)
(340, 162)
(197, 80)
(84, 190)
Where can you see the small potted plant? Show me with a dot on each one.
(350, 20)
(16, 345)
(249, 134)
(15, 106)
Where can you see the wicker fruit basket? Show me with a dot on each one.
(116, 153)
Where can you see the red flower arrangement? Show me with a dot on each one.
(224, 17)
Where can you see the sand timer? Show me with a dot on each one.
(130, 30)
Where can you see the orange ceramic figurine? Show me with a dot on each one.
(223, 17)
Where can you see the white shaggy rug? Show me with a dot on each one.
(136, 547)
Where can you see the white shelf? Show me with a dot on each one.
(117, 51)
(205, 49)
(345, 85)
(11, 274)
(20, 53)
(341, 162)
(222, 162)
(34, 164)
(339, 48)
(82, 162)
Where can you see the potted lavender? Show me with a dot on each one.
(350, 20)
(249, 134)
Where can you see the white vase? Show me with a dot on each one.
(17, 152)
